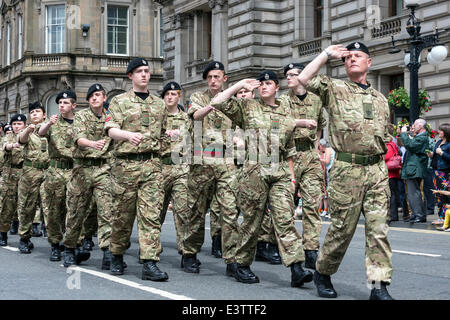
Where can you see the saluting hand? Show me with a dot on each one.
(250, 84)
(98, 145)
(337, 51)
(135, 138)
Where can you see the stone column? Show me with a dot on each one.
(219, 31)
(180, 46)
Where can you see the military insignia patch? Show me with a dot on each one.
(144, 62)
(172, 87)
(65, 95)
(266, 76)
(97, 87)
(19, 118)
(357, 45)
(291, 66)
(217, 66)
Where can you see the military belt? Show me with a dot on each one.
(138, 156)
(15, 166)
(35, 164)
(167, 160)
(61, 163)
(358, 159)
(90, 162)
(303, 146)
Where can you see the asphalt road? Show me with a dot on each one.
(421, 259)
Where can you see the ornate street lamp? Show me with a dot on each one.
(417, 43)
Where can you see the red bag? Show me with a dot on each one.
(395, 162)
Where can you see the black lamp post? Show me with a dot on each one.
(417, 43)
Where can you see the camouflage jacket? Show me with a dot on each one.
(181, 122)
(358, 118)
(254, 116)
(129, 112)
(36, 147)
(87, 125)
(60, 139)
(310, 108)
(214, 125)
(14, 156)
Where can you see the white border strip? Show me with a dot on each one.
(418, 253)
(132, 284)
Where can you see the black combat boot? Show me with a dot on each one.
(87, 244)
(81, 255)
(273, 255)
(324, 287)
(55, 254)
(190, 264)
(299, 276)
(106, 261)
(44, 229)
(117, 264)
(69, 257)
(261, 248)
(310, 259)
(150, 271)
(216, 249)
(245, 275)
(231, 269)
(25, 246)
(141, 261)
(380, 293)
(3, 239)
(35, 232)
(14, 227)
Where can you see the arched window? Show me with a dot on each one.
(51, 107)
(112, 94)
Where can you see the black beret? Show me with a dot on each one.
(293, 66)
(95, 87)
(35, 105)
(268, 75)
(357, 46)
(136, 63)
(214, 65)
(18, 117)
(7, 127)
(65, 95)
(170, 86)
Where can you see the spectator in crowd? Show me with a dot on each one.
(414, 167)
(428, 181)
(394, 177)
(327, 155)
(403, 204)
(446, 226)
(441, 164)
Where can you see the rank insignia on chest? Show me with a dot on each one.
(218, 123)
(368, 113)
(145, 119)
(275, 124)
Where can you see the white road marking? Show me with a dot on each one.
(11, 248)
(418, 253)
(132, 284)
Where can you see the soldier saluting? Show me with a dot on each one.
(358, 118)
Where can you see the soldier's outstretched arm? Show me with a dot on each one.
(25, 134)
(122, 135)
(335, 51)
(249, 84)
(45, 128)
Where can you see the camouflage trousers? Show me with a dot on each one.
(87, 183)
(354, 189)
(28, 199)
(8, 196)
(256, 188)
(54, 200)
(267, 232)
(309, 177)
(137, 192)
(220, 179)
(175, 189)
(90, 224)
(215, 229)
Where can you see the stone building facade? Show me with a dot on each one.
(46, 46)
(249, 36)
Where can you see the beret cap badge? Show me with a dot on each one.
(266, 76)
(357, 45)
(65, 95)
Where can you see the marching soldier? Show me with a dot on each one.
(210, 171)
(90, 177)
(137, 124)
(307, 167)
(174, 169)
(358, 116)
(35, 163)
(59, 134)
(13, 163)
(267, 175)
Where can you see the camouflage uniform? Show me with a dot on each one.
(358, 121)
(136, 173)
(267, 233)
(208, 172)
(12, 170)
(57, 176)
(260, 181)
(307, 167)
(90, 224)
(35, 155)
(175, 177)
(90, 178)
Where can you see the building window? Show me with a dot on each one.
(8, 44)
(318, 18)
(20, 37)
(55, 29)
(118, 30)
(395, 7)
(51, 107)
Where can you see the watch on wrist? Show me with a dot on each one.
(328, 53)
